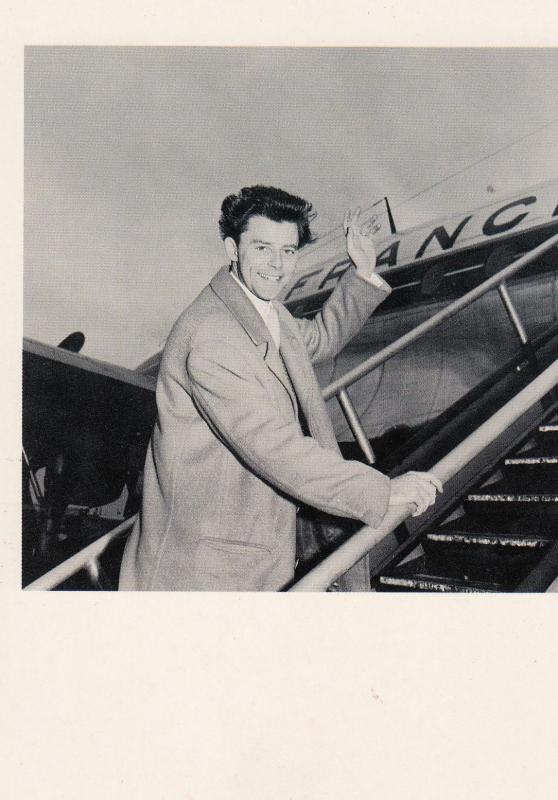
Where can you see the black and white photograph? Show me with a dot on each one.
(290, 319)
(280, 340)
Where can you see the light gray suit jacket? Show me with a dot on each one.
(228, 461)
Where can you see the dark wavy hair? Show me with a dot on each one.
(265, 201)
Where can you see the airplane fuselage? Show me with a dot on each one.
(453, 247)
(427, 267)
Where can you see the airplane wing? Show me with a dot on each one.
(70, 400)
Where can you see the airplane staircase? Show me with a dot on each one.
(470, 540)
(502, 537)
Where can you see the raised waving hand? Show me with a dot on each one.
(360, 244)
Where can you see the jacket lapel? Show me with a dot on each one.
(244, 311)
(238, 304)
(304, 381)
(273, 360)
(294, 359)
(294, 369)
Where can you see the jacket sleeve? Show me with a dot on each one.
(343, 314)
(237, 405)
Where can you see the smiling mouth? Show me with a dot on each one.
(268, 277)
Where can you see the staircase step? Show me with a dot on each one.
(494, 557)
(532, 470)
(513, 497)
(531, 461)
(419, 575)
(548, 434)
(502, 501)
(501, 540)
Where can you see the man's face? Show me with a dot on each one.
(266, 254)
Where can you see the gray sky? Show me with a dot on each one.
(130, 151)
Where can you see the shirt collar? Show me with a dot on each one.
(263, 306)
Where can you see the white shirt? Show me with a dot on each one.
(265, 309)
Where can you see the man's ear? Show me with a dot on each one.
(231, 249)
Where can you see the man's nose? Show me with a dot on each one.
(276, 260)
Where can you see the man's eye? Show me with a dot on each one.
(261, 247)
(290, 252)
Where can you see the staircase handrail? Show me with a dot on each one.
(88, 558)
(355, 548)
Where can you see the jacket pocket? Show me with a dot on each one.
(233, 545)
(230, 565)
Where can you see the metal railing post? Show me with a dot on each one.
(355, 425)
(92, 568)
(512, 313)
(39, 496)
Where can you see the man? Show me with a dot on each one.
(242, 434)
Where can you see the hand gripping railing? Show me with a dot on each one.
(351, 551)
(339, 387)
